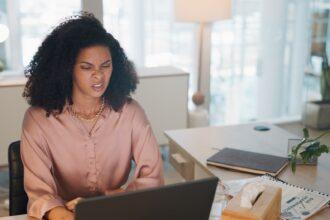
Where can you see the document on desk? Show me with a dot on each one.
(219, 203)
(297, 203)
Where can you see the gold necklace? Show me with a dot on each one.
(89, 117)
(95, 118)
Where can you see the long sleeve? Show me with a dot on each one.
(39, 182)
(145, 149)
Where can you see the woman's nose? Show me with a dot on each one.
(98, 72)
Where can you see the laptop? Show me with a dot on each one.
(188, 200)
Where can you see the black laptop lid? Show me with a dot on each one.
(187, 200)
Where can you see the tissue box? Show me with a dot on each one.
(266, 207)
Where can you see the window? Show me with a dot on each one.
(37, 18)
(320, 40)
(259, 59)
(29, 22)
(117, 17)
(234, 62)
(3, 21)
(149, 34)
(167, 42)
(158, 39)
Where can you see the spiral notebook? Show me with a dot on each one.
(297, 202)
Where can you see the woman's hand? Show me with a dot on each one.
(115, 191)
(71, 205)
(60, 213)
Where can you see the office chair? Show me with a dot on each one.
(17, 195)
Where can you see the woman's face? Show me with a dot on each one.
(92, 72)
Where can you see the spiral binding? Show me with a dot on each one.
(274, 178)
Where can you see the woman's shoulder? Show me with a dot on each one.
(34, 111)
(132, 106)
(34, 115)
(135, 112)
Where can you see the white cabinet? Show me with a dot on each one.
(163, 93)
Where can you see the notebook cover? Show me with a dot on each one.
(248, 161)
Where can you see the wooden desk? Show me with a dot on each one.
(190, 148)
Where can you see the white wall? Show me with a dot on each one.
(162, 92)
(12, 111)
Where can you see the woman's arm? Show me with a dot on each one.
(39, 182)
(145, 149)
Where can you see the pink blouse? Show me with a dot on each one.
(61, 161)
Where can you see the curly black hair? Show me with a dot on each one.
(50, 71)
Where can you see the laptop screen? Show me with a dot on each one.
(187, 200)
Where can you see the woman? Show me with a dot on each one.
(83, 129)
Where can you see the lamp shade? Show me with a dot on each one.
(202, 10)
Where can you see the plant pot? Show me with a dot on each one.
(316, 114)
(294, 142)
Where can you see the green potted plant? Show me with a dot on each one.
(317, 113)
(307, 149)
(325, 79)
(2, 66)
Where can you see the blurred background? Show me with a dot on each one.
(266, 45)
(255, 60)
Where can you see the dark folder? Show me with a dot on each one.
(247, 161)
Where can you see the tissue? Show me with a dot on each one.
(249, 194)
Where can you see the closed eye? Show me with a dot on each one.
(85, 67)
(106, 66)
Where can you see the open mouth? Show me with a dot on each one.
(98, 86)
